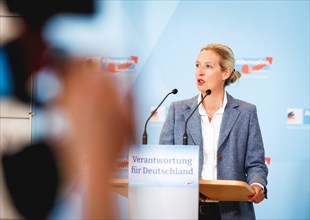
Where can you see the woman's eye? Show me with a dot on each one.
(197, 65)
(208, 66)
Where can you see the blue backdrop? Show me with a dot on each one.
(270, 40)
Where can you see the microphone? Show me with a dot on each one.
(185, 137)
(144, 138)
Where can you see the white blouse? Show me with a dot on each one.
(210, 136)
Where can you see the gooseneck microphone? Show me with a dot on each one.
(144, 138)
(185, 137)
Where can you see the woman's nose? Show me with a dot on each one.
(201, 71)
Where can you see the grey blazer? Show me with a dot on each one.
(241, 154)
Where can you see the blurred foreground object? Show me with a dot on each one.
(95, 114)
(24, 54)
(100, 125)
(32, 178)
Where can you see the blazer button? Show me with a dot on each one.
(220, 158)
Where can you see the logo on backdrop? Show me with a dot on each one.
(298, 116)
(295, 116)
(120, 64)
(253, 65)
(160, 114)
(267, 160)
(121, 163)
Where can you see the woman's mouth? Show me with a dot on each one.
(200, 82)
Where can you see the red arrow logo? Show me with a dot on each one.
(113, 68)
(249, 69)
(267, 160)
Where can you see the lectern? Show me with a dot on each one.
(163, 183)
(220, 190)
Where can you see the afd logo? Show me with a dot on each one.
(159, 115)
(267, 160)
(255, 65)
(298, 116)
(121, 163)
(120, 64)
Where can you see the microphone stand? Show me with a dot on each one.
(185, 136)
(144, 137)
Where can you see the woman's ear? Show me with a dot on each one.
(226, 74)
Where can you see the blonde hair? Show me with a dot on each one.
(227, 60)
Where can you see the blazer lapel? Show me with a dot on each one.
(194, 124)
(229, 118)
(194, 128)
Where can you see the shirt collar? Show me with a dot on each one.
(202, 110)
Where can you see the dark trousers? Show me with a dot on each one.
(209, 211)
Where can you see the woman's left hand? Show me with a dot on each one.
(258, 194)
